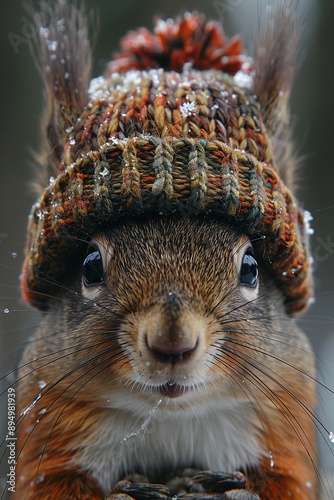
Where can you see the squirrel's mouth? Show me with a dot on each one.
(172, 390)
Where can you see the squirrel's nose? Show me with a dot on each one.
(171, 331)
(170, 353)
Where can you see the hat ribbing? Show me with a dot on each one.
(174, 138)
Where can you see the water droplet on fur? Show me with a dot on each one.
(271, 460)
(60, 25)
(6, 310)
(53, 46)
(31, 406)
(40, 478)
(44, 32)
(144, 425)
(148, 364)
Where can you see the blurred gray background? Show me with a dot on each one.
(312, 108)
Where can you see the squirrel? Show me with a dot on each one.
(169, 257)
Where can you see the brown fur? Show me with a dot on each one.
(64, 60)
(275, 64)
(244, 348)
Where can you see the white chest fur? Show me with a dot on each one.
(220, 439)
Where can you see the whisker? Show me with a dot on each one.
(277, 401)
(63, 409)
(66, 375)
(273, 378)
(283, 412)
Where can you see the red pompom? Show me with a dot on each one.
(188, 38)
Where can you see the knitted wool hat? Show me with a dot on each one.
(173, 125)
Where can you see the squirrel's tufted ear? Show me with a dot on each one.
(63, 55)
(275, 63)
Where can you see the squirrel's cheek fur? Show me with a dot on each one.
(169, 256)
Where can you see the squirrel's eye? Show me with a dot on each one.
(249, 270)
(92, 269)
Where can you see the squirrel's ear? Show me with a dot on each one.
(64, 61)
(275, 62)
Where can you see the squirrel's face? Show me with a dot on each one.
(174, 308)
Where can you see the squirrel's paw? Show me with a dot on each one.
(181, 482)
(219, 486)
(189, 484)
(127, 490)
(220, 482)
